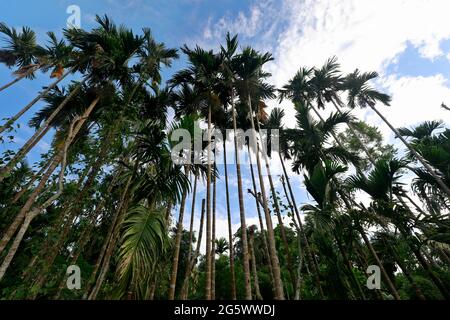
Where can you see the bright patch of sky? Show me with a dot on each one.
(406, 41)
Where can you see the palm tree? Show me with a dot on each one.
(380, 185)
(26, 215)
(43, 130)
(202, 75)
(434, 148)
(275, 121)
(277, 207)
(222, 246)
(229, 79)
(361, 94)
(160, 180)
(20, 52)
(319, 185)
(56, 54)
(186, 123)
(103, 42)
(248, 68)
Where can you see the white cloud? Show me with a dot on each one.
(246, 24)
(415, 99)
(364, 34)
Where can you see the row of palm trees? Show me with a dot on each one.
(109, 179)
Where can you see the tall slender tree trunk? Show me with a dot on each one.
(111, 241)
(191, 233)
(431, 171)
(297, 227)
(36, 176)
(26, 208)
(279, 294)
(230, 231)
(258, 209)
(251, 247)
(176, 255)
(17, 241)
(313, 263)
(105, 244)
(30, 215)
(208, 213)
(377, 259)
(74, 210)
(247, 283)
(277, 211)
(29, 203)
(192, 261)
(17, 79)
(349, 266)
(213, 237)
(168, 211)
(32, 103)
(425, 265)
(408, 275)
(38, 135)
(85, 236)
(298, 285)
(31, 269)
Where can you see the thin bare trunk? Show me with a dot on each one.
(176, 255)
(20, 77)
(377, 259)
(213, 237)
(208, 213)
(247, 284)
(30, 215)
(169, 211)
(313, 262)
(111, 241)
(258, 209)
(60, 154)
(107, 240)
(277, 211)
(38, 135)
(230, 231)
(32, 103)
(191, 233)
(279, 294)
(298, 285)
(251, 247)
(192, 262)
(74, 210)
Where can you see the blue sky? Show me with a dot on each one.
(407, 42)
